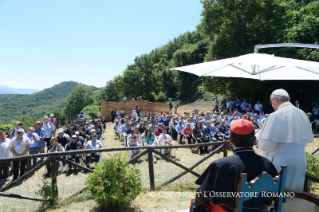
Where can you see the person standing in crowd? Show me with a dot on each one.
(54, 122)
(47, 127)
(137, 109)
(122, 113)
(283, 138)
(216, 105)
(13, 131)
(81, 116)
(19, 146)
(54, 147)
(175, 104)
(41, 133)
(34, 148)
(258, 107)
(298, 105)
(113, 114)
(170, 107)
(4, 153)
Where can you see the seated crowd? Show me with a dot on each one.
(163, 129)
(80, 134)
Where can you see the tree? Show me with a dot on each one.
(79, 98)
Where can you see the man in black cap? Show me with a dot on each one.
(223, 174)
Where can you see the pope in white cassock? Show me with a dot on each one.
(283, 138)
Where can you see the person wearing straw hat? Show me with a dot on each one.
(283, 138)
(223, 175)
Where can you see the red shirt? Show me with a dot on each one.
(158, 132)
(188, 131)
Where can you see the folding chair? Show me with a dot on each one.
(262, 183)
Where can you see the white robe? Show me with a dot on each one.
(283, 138)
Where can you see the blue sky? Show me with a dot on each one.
(43, 43)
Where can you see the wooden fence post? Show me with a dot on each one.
(151, 169)
(225, 149)
(54, 170)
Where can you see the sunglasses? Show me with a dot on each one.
(19, 133)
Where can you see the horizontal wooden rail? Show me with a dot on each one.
(87, 151)
(26, 175)
(17, 196)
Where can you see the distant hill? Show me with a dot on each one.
(37, 104)
(8, 90)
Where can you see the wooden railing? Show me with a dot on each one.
(56, 156)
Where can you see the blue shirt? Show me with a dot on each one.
(33, 143)
(123, 127)
(180, 127)
(210, 130)
(40, 133)
(81, 116)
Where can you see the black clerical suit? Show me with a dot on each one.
(223, 176)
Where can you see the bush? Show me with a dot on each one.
(161, 97)
(48, 192)
(313, 168)
(114, 184)
(92, 111)
(151, 97)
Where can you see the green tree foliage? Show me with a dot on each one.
(79, 98)
(236, 26)
(91, 111)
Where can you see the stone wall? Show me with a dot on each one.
(145, 107)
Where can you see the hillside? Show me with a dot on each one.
(14, 105)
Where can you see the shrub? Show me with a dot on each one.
(48, 192)
(92, 111)
(161, 97)
(313, 168)
(114, 184)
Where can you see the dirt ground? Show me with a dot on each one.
(162, 200)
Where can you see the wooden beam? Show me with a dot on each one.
(87, 151)
(177, 164)
(74, 164)
(54, 171)
(137, 157)
(305, 195)
(192, 167)
(29, 173)
(151, 170)
(17, 196)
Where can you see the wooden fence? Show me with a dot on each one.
(56, 156)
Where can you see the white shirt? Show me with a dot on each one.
(93, 145)
(283, 138)
(20, 145)
(163, 138)
(5, 149)
(47, 128)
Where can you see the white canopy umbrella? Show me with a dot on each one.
(257, 66)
